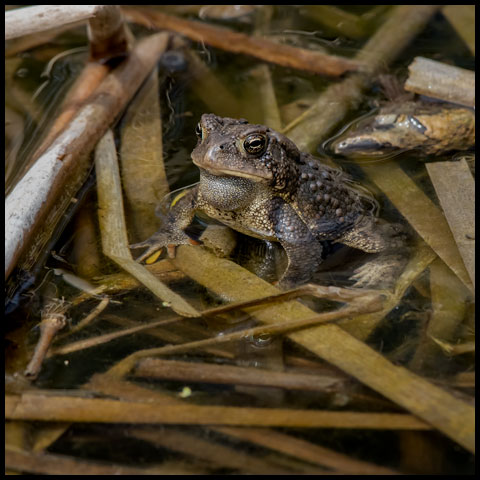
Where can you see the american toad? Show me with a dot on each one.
(256, 181)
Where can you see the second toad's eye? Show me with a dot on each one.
(255, 144)
(199, 131)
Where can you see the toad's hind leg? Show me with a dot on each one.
(388, 241)
(303, 250)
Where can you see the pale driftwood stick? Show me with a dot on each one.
(28, 20)
(106, 22)
(85, 84)
(27, 42)
(36, 194)
(455, 188)
(442, 81)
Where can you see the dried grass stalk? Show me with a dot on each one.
(114, 231)
(37, 406)
(455, 189)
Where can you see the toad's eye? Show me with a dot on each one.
(199, 131)
(255, 144)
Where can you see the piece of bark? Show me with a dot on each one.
(439, 80)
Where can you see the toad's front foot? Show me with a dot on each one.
(162, 239)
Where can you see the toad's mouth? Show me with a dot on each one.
(250, 174)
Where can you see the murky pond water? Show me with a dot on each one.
(348, 397)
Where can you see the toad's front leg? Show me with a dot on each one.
(303, 250)
(172, 232)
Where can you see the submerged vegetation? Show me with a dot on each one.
(201, 364)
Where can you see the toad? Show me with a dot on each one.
(256, 181)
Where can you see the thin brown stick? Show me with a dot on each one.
(33, 406)
(89, 318)
(271, 329)
(232, 374)
(108, 337)
(54, 320)
(225, 39)
(337, 294)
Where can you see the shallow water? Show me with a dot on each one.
(37, 79)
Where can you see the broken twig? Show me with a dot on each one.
(235, 42)
(442, 81)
